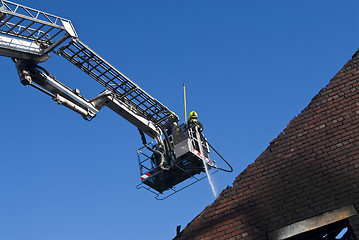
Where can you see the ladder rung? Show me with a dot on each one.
(128, 93)
(53, 36)
(104, 73)
(26, 28)
(44, 34)
(94, 67)
(36, 30)
(76, 54)
(7, 20)
(15, 25)
(148, 108)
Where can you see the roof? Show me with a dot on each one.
(310, 168)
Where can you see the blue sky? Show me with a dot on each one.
(249, 68)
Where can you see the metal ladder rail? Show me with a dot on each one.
(126, 91)
(34, 25)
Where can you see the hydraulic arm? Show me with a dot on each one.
(29, 36)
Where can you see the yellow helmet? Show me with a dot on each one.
(193, 114)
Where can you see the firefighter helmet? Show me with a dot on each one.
(193, 114)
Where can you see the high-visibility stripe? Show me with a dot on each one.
(199, 154)
(144, 176)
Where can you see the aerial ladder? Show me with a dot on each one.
(177, 152)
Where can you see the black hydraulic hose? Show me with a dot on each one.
(166, 147)
(169, 146)
(43, 69)
(225, 170)
(153, 150)
(143, 138)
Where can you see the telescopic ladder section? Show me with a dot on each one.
(26, 32)
(126, 91)
(20, 22)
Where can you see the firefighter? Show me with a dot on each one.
(192, 121)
